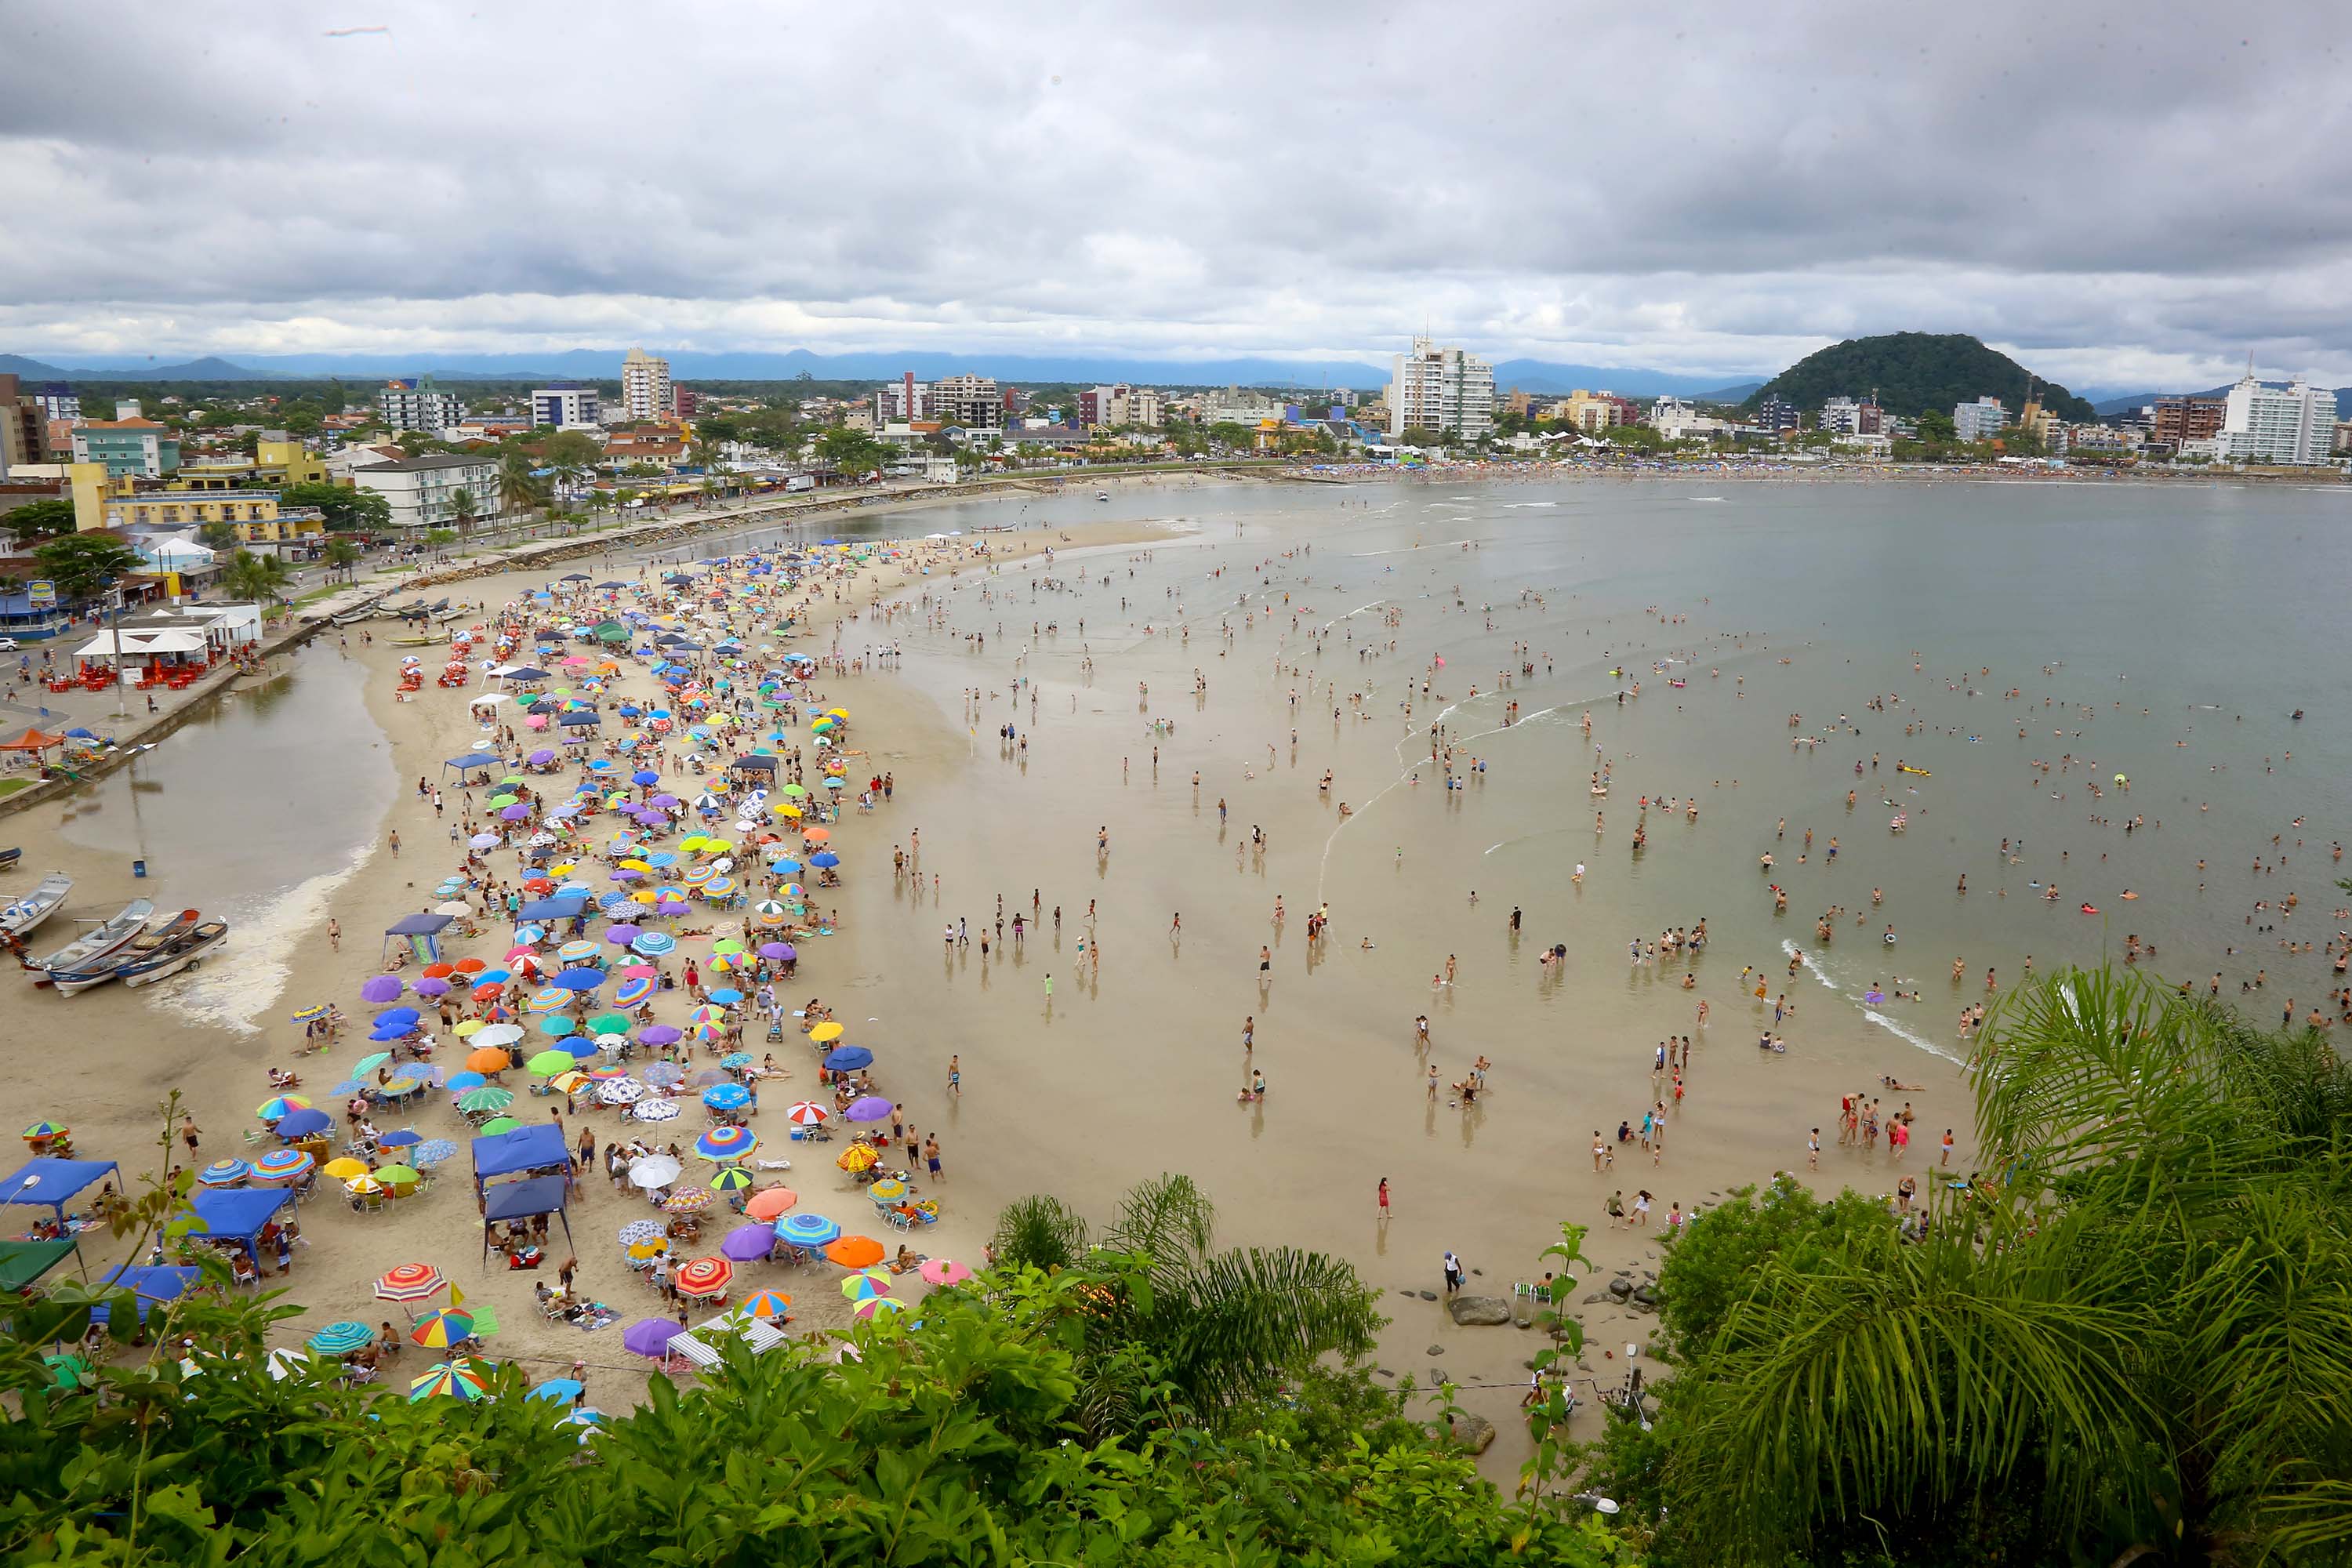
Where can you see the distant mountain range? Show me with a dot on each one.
(586, 365)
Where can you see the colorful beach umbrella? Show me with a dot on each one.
(409, 1282)
(464, 1379)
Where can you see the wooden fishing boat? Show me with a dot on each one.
(146, 947)
(20, 917)
(101, 939)
(187, 953)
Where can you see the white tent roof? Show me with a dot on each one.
(136, 644)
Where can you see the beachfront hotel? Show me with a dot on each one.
(1448, 389)
(646, 390)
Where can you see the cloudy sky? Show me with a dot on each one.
(2126, 195)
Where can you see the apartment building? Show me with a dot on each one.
(1447, 389)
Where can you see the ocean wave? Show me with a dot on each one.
(234, 994)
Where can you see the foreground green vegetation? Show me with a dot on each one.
(2128, 1337)
(1145, 1401)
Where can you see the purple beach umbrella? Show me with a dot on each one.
(648, 1337)
(747, 1242)
(381, 988)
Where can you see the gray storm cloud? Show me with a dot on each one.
(2130, 194)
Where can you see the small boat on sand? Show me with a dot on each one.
(152, 955)
(106, 937)
(20, 917)
(187, 951)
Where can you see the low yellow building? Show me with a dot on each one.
(242, 495)
(273, 464)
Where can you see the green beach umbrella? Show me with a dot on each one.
(605, 1024)
(547, 1064)
(486, 1099)
(500, 1124)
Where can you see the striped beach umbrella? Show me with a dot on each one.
(442, 1327)
(770, 1306)
(283, 1165)
(807, 1229)
(343, 1338)
(702, 1277)
(733, 1179)
(807, 1113)
(864, 1284)
(464, 1379)
(409, 1282)
(727, 1143)
(224, 1174)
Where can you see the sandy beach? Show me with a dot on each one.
(1168, 642)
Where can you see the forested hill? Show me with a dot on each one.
(1917, 372)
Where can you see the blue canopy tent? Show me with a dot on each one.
(421, 932)
(238, 1214)
(50, 1183)
(562, 907)
(469, 761)
(536, 1147)
(153, 1286)
(523, 1200)
(578, 716)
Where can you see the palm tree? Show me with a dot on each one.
(2134, 1325)
(463, 509)
(341, 555)
(216, 535)
(1221, 1327)
(260, 578)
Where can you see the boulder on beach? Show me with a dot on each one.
(1479, 1312)
(1474, 1433)
(1620, 1288)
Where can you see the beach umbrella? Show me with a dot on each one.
(282, 1165)
(409, 1282)
(848, 1059)
(871, 1108)
(864, 1284)
(302, 1123)
(547, 1064)
(733, 1179)
(944, 1271)
(856, 1251)
(655, 1110)
(488, 1059)
(343, 1167)
(824, 1034)
(653, 1171)
(859, 1157)
(638, 1231)
(770, 1306)
(498, 1124)
(806, 1113)
(397, 1019)
(498, 1035)
(433, 987)
(807, 1229)
(271, 1110)
(550, 999)
(777, 951)
(343, 1338)
(556, 1025)
(887, 1191)
(400, 1138)
(224, 1172)
(460, 1082)
(727, 1097)
(487, 1098)
(702, 1277)
(580, 979)
(464, 1379)
(311, 1015)
(726, 1143)
(366, 1064)
(654, 943)
(609, 1024)
(688, 1200)
(736, 1060)
(632, 992)
(648, 1337)
(362, 1186)
(561, 1390)
(877, 1307)
(442, 1327)
(381, 988)
(771, 1203)
(749, 1243)
(662, 1074)
(825, 857)
(484, 841)
(620, 1092)
(624, 933)
(431, 1152)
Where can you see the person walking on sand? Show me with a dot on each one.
(395, 842)
(334, 935)
(1453, 1274)
(1384, 1200)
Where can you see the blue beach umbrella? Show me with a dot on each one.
(848, 1058)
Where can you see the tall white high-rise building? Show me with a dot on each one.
(645, 392)
(970, 402)
(413, 403)
(1446, 389)
(2293, 424)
